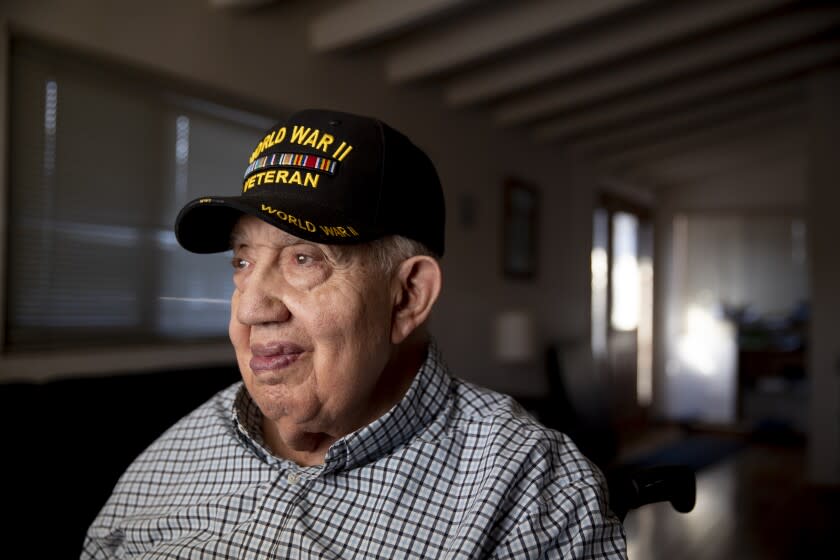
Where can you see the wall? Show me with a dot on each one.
(773, 185)
(824, 233)
(263, 57)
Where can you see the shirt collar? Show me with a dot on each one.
(425, 399)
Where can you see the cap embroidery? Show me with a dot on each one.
(310, 150)
(287, 159)
(306, 225)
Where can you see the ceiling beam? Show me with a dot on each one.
(240, 4)
(758, 125)
(354, 24)
(763, 148)
(796, 60)
(494, 31)
(668, 127)
(749, 180)
(668, 63)
(672, 21)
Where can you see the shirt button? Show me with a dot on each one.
(293, 478)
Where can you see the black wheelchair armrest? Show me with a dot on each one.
(632, 487)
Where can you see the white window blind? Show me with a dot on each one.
(101, 161)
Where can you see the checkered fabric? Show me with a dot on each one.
(452, 471)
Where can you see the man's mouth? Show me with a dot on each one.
(273, 356)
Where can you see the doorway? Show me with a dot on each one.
(622, 309)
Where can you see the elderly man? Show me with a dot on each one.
(347, 437)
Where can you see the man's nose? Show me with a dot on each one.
(261, 298)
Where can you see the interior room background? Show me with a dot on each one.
(718, 256)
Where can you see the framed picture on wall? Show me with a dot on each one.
(519, 229)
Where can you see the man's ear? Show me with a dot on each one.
(416, 283)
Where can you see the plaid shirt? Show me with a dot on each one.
(451, 471)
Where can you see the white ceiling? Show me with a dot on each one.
(661, 93)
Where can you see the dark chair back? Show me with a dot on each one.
(578, 406)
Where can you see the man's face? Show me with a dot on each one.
(311, 327)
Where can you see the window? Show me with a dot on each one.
(740, 282)
(625, 272)
(101, 160)
(622, 297)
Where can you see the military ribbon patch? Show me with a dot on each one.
(302, 161)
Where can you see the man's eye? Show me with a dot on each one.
(238, 264)
(300, 258)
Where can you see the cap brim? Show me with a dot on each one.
(204, 225)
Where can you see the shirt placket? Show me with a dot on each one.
(274, 520)
(278, 515)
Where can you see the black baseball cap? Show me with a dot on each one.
(329, 177)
